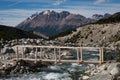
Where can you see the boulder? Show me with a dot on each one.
(115, 71)
(7, 50)
(22, 66)
(101, 77)
(85, 77)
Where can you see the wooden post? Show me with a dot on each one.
(27, 55)
(81, 54)
(102, 53)
(55, 56)
(78, 56)
(17, 57)
(59, 55)
(22, 52)
(41, 53)
(36, 56)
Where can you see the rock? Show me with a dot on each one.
(101, 77)
(118, 78)
(7, 50)
(112, 65)
(22, 66)
(2, 73)
(104, 72)
(115, 71)
(85, 77)
(13, 63)
(107, 71)
(103, 67)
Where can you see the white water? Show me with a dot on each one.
(53, 72)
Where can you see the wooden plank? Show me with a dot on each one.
(91, 48)
(64, 61)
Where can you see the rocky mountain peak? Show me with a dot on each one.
(97, 16)
(47, 12)
(51, 22)
(100, 16)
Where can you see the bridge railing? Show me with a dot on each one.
(59, 54)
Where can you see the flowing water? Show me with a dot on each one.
(54, 72)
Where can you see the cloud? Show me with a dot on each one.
(14, 3)
(58, 2)
(12, 17)
(100, 1)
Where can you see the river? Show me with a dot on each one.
(54, 72)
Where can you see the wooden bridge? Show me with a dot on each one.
(58, 54)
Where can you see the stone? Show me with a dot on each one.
(112, 65)
(103, 67)
(7, 50)
(101, 77)
(115, 71)
(85, 77)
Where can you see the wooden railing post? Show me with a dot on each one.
(22, 52)
(17, 57)
(41, 53)
(81, 54)
(78, 56)
(102, 53)
(36, 55)
(55, 56)
(59, 55)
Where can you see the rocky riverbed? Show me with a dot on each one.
(21, 67)
(106, 71)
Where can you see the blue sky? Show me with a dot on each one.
(12, 12)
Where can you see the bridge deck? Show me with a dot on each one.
(62, 61)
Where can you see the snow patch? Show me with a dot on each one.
(47, 12)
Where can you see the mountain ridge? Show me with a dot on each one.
(96, 34)
(9, 33)
(51, 23)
